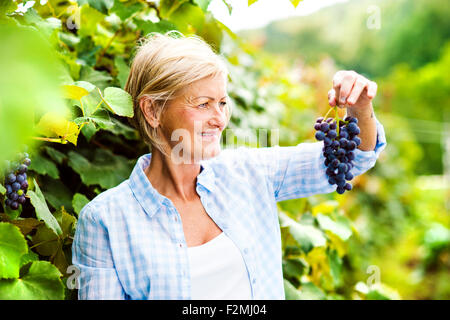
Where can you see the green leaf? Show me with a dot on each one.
(340, 227)
(294, 267)
(119, 101)
(44, 166)
(2, 189)
(306, 236)
(335, 263)
(290, 291)
(123, 70)
(46, 242)
(203, 4)
(42, 211)
(39, 280)
(57, 193)
(89, 130)
(107, 169)
(79, 201)
(7, 6)
(89, 87)
(309, 291)
(148, 26)
(102, 5)
(101, 119)
(90, 103)
(66, 221)
(188, 18)
(12, 247)
(167, 7)
(101, 79)
(57, 156)
(125, 10)
(28, 257)
(89, 20)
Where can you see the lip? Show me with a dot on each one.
(212, 136)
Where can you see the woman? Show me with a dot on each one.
(192, 221)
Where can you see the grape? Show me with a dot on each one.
(324, 127)
(11, 178)
(24, 185)
(320, 135)
(15, 186)
(20, 178)
(332, 134)
(338, 149)
(14, 205)
(16, 183)
(21, 199)
(13, 196)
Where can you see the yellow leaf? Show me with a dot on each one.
(55, 125)
(326, 207)
(74, 92)
(250, 2)
(295, 3)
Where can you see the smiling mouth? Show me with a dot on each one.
(209, 136)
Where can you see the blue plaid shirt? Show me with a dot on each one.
(129, 242)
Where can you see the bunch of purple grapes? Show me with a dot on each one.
(16, 181)
(339, 144)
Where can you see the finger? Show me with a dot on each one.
(346, 85)
(358, 87)
(372, 89)
(332, 97)
(337, 79)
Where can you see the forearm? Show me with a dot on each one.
(367, 126)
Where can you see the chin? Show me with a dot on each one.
(210, 152)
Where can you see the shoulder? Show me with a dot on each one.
(107, 204)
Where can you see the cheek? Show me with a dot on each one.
(191, 120)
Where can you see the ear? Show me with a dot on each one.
(147, 106)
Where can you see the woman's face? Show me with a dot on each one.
(193, 122)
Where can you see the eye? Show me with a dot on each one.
(203, 105)
(223, 103)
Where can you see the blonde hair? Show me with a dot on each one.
(164, 64)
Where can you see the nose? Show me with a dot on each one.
(218, 117)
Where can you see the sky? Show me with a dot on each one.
(262, 12)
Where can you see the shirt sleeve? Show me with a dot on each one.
(299, 171)
(91, 254)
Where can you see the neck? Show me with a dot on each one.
(175, 181)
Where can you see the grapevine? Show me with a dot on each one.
(340, 139)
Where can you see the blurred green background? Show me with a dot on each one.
(388, 238)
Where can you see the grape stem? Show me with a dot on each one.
(325, 117)
(336, 118)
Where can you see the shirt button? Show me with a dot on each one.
(176, 218)
(180, 245)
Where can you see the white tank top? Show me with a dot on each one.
(218, 271)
